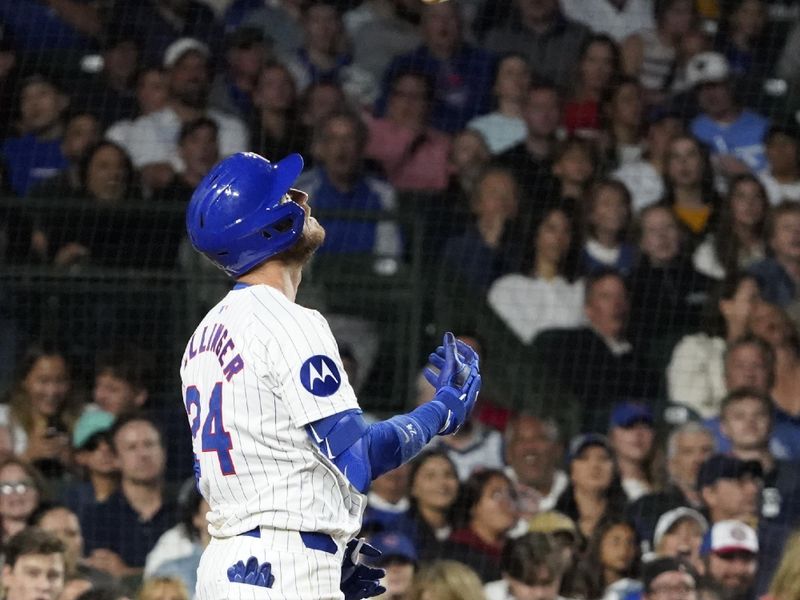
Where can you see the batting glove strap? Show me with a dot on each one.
(454, 401)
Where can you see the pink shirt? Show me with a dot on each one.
(423, 167)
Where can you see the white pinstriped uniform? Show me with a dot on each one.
(259, 362)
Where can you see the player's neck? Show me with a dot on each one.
(280, 275)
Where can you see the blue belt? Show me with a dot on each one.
(311, 539)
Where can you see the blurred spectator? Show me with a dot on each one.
(22, 489)
(530, 160)
(387, 500)
(597, 69)
(787, 577)
(177, 552)
(469, 157)
(563, 533)
(399, 559)
(696, 372)
(67, 26)
(163, 588)
(447, 580)
(602, 365)
(540, 32)
(413, 155)
(734, 135)
(623, 118)
(139, 505)
(321, 100)
(198, 147)
(36, 154)
(63, 523)
(679, 533)
(534, 452)
(325, 54)
(504, 127)
(650, 54)
(730, 487)
(82, 132)
(611, 561)
(461, 73)
(544, 293)
(340, 183)
(667, 294)
(689, 184)
(92, 452)
(644, 178)
(42, 408)
(607, 223)
(740, 38)
(232, 89)
(432, 490)
(732, 558)
(108, 90)
(575, 163)
(688, 447)
(380, 30)
(280, 21)
(478, 256)
(595, 489)
(617, 18)
(485, 513)
(668, 577)
(152, 139)
(152, 95)
(159, 23)
(276, 129)
(532, 567)
(779, 274)
(631, 434)
(74, 587)
(781, 176)
(34, 566)
(738, 238)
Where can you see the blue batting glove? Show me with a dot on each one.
(252, 573)
(360, 581)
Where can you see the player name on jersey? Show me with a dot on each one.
(217, 341)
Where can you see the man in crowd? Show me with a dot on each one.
(34, 566)
(779, 275)
(532, 568)
(730, 487)
(668, 577)
(732, 559)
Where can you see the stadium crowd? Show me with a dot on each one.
(609, 192)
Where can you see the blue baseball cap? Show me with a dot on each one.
(625, 414)
(394, 545)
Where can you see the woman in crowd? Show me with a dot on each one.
(650, 55)
(598, 66)
(738, 238)
(611, 561)
(433, 490)
(679, 532)
(607, 220)
(42, 409)
(689, 184)
(695, 375)
(623, 114)
(447, 580)
(786, 581)
(276, 129)
(545, 293)
(485, 513)
(163, 588)
(504, 127)
(740, 38)
(632, 436)
(575, 163)
(22, 489)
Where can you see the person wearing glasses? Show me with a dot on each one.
(21, 491)
(668, 578)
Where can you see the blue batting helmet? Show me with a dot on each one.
(239, 215)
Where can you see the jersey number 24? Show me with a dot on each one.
(213, 437)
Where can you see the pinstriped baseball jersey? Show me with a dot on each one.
(257, 369)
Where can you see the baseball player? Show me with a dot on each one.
(282, 453)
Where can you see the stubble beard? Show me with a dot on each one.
(301, 252)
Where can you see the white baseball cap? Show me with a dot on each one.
(733, 536)
(181, 46)
(670, 518)
(707, 67)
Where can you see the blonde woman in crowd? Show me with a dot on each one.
(786, 582)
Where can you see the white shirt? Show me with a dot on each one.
(257, 370)
(485, 451)
(696, 374)
(643, 182)
(778, 192)
(601, 16)
(173, 544)
(548, 502)
(528, 305)
(500, 131)
(153, 138)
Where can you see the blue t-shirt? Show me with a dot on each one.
(29, 161)
(744, 138)
(35, 26)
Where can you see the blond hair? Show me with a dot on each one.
(447, 580)
(786, 582)
(163, 588)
